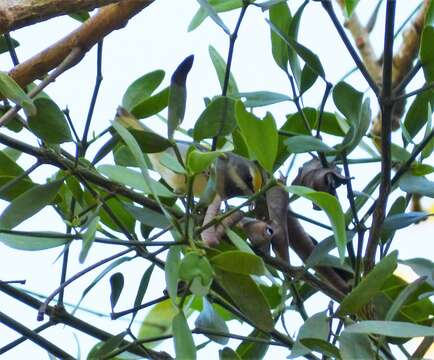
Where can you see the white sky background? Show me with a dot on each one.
(158, 39)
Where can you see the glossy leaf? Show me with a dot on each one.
(369, 286)
(213, 15)
(397, 329)
(196, 270)
(218, 119)
(4, 46)
(178, 95)
(417, 185)
(332, 208)
(262, 98)
(305, 143)
(29, 203)
(116, 286)
(183, 339)
(239, 262)
(158, 321)
(143, 286)
(147, 216)
(315, 327)
(218, 6)
(199, 161)
(352, 346)
(419, 169)
(418, 114)
(171, 271)
(254, 131)
(133, 179)
(348, 100)
(398, 207)
(12, 91)
(248, 297)
(33, 242)
(88, 238)
(426, 54)
(208, 319)
(109, 345)
(321, 346)
(422, 267)
(49, 122)
(280, 17)
(228, 354)
(250, 350)
(399, 221)
(308, 78)
(141, 90)
(220, 68)
(350, 5)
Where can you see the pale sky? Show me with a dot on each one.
(158, 39)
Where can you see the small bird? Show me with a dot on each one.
(234, 175)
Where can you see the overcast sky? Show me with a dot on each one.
(158, 39)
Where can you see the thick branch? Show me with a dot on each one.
(109, 18)
(15, 14)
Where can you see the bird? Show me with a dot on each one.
(234, 175)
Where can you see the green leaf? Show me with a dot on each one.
(280, 17)
(239, 262)
(96, 280)
(317, 327)
(218, 6)
(81, 16)
(429, 148)
(29, 203)
(248, 297)
(418, 114)
(353, 346)
(147, 216)
(418, 169)
(213, 15)
(158, 321)
(152, 105)
(398, 329)
(196, 266)
(220, 68)
(228, 354)
(49, 122)
(183, 339)
(422, 267)
(416, 185)
(33, 242)
(321, 346)
(262, 98)
(116, 286)
(143, 286)
(88, 238)
(332, 208)
(12, 91)
(308, 78)
(370, 285)
(350, 5)
(178, 95)
(4, 46)
(348, 100)
(305, 143)
(171, 162)
(399, 221)
(208, 319)
(171, 270)
(199, 161)
(254, 132)
(358, 129)
(403, 297)
(141, 90)
(426, 54)
(250, 350)
(133, 179)
(218, 119)
(310, 58)
(109, 345)
(398, 207)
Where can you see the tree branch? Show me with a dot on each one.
(111, 17)
(16, 14)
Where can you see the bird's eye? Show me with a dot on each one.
(269, 231)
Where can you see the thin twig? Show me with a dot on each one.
(386, 131)
(11, 49)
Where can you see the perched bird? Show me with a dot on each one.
(234, 175)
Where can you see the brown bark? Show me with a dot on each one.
(109, 18)
(15, 14)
